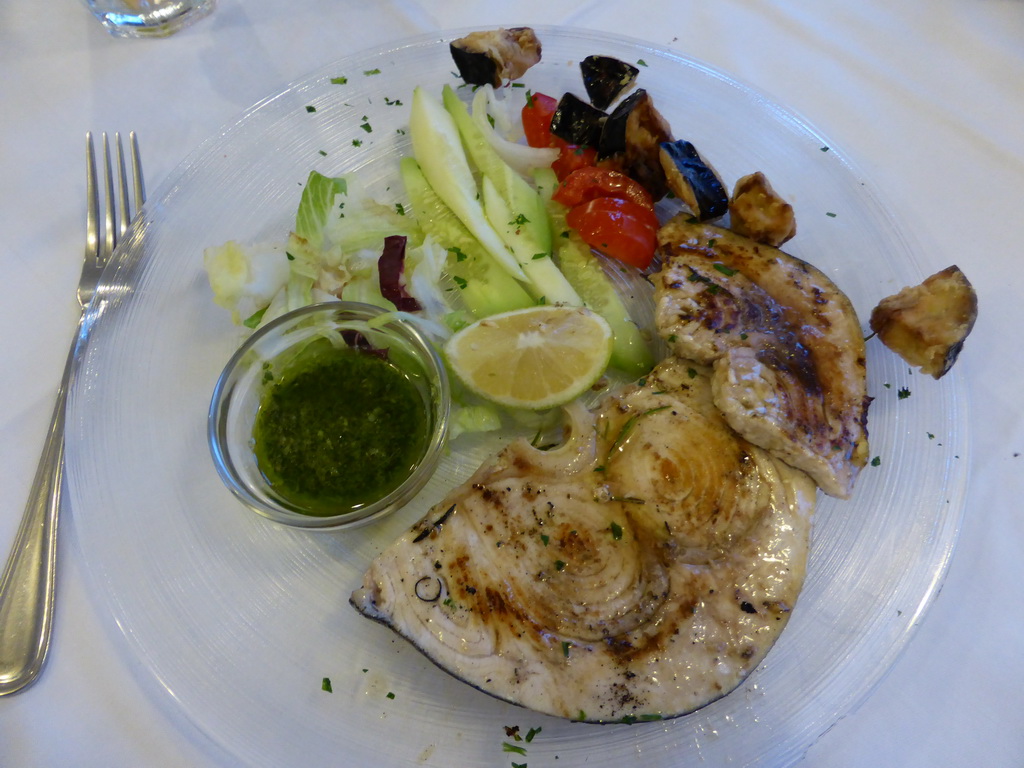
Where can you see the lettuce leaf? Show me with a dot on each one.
(315, 206)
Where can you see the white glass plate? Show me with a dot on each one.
(235, 621)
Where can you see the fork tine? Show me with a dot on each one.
(109, 233)
(123, 211)
(92, 202)
(140, 187)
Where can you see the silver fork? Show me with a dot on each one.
(27, 584)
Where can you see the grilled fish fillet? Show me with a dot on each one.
(640, 570)
(785, 344)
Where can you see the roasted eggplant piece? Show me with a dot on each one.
(577, 122)
(757, 211)
(632, 139)
(613, 135)
(692, 180)
(926, 324)
(495, 56)
(606, 78)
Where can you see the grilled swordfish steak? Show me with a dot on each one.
(642, 568)
(785, 344)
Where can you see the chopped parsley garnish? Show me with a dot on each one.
(627, 428)
(830, 214)
(691, 372)
(566, 645)
(339, 80)
(876, 461)
(392, 102)
(825, 149)
(727, 271)
(616, 530)
(559, 565)
(641, 62)
(310, 108)
(365, 125)
(326, 685)
(506, 747)
(531, 733)
(458, 253)
(903, 393)
(391, 695)
(400, 209)
(371, 71)
(930, 435)
(544, 538)
(357, 142)
(539, 256)
(519, 220)
(459, 281)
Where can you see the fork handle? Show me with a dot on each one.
(28, 582)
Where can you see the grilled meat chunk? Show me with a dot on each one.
(784, 342)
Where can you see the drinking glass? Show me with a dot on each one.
(148, 18)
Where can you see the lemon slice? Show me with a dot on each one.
(533, 358)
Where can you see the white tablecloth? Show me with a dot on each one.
(926, 97)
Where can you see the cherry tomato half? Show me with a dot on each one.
(572, 158)
(618, 228)
(585, 184)
(536, 116)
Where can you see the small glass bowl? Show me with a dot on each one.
(240, 389)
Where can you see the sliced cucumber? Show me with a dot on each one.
(513, 208)
(545, 280)
(485, 287)
(437, 147)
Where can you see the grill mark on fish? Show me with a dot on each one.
(435, 526)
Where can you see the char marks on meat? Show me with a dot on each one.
(787, 350)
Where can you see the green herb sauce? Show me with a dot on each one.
(339, 429)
